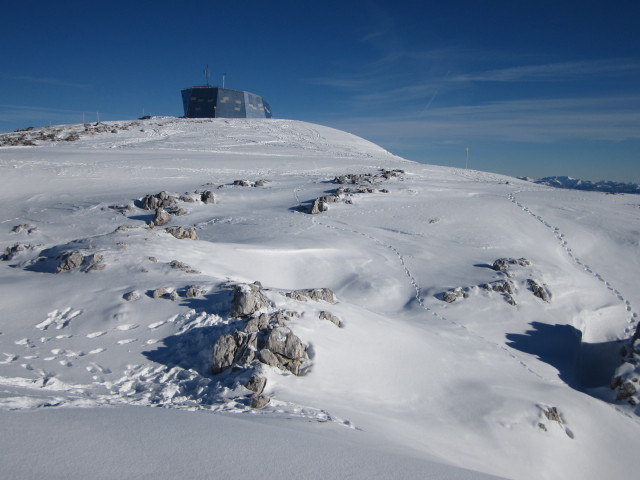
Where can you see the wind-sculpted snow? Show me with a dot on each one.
(107, 301)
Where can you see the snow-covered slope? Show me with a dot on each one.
(498, 381)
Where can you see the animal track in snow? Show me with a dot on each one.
(95, 334)
(59, 318)
(560, 236)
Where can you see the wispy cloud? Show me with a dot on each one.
(553, 72)
(536, 121)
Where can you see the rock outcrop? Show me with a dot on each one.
(248, 299)
(182, 233)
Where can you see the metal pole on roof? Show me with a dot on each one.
(206, 75)
(223, 75)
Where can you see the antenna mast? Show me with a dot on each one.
(223, 75)
(206, 75)
(466, 163)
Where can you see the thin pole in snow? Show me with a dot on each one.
(466, 163)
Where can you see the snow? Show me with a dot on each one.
(411, 387)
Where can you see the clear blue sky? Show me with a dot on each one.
(534, 88)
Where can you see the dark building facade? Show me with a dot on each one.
(216, 102)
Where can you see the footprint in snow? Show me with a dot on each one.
(10, 357)
(97, 350)
(95, 334)
(127, 327)
(127, 340)
(157, 324)
(59, 318)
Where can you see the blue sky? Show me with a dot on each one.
(533, 88)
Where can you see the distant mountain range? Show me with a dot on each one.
(577, 184)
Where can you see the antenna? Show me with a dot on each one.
(223, 75)
(466, 163)
(206, 75)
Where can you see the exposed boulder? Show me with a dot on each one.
(332, 318)
(452, 295)
(248, 299)
(318, 206)
(178, 265)
(159, 200)
(242, 183)
(538, 290)
(24, 227)
(159, 292)
(161, 217)
(503, 264)
(282, 341)
(223, 353)
(10, 252)
(259, 401)
(261, 183)
(183, 233)
(194, 291)
(70, 261)
(131, 296)
(256, 384)
(208, 197)
(315, 294)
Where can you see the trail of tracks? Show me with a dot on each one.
(418, 291)
(632, 320)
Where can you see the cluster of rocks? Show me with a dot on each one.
(178, 265)
(30, 135)
(164, 205)
(24, 227)
(190, 291)
(626, 379)
(263, 337)
(10, 252)
(181, 233)
(246, 183)
(504, 287)
(76, 259)
(504, 264)
(364, 183)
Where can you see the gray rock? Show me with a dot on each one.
(193, 291)
(131, 296)
(161, 217)
(626, 391)
(261, 183)
(315, 294)
(242, 183)
(207, 197)
(451, 296)
(223, 353)
(283, 341)
(173, 296)
(70, 261)
(247, 300)
(159, 200)
(159, 292)
(332, 318)
(318, 206)
(256, 384)
(182, 233)
(14, 250)
(259, 401)
(257, 324)
(267, 357)
(553, 414)
(538, 290)
(503, 264)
